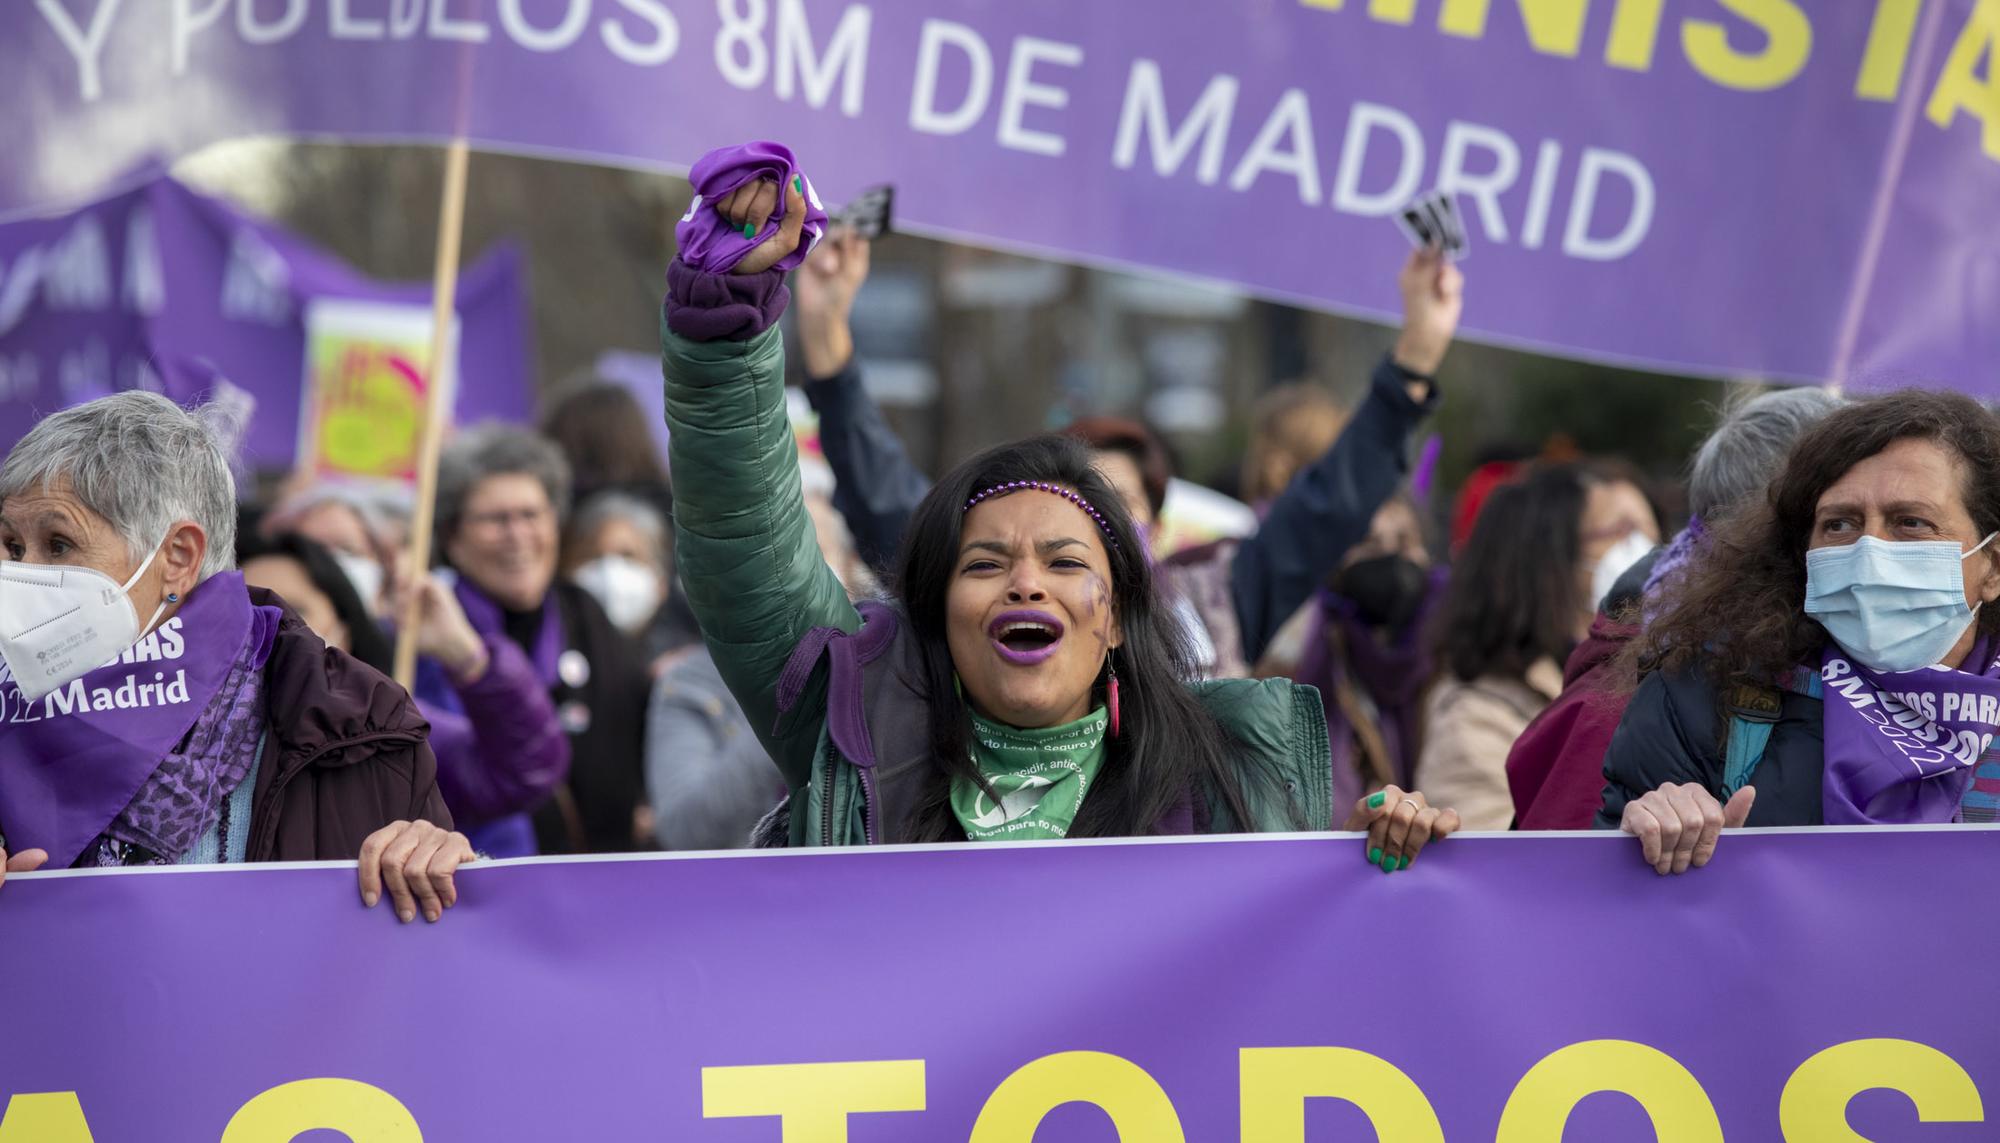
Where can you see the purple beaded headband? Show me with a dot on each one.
(1051, 489)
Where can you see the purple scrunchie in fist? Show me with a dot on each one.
(708, 243)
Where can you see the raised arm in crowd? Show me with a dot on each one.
(1320, 515)
(1026, 681)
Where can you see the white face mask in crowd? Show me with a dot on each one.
(1891, 605)
(1616, 562)
(61, 623)
(629, 590)
(366, 575)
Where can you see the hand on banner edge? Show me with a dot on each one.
(1399, 824)
(415, 862)
(26, 861)
(1678, 826)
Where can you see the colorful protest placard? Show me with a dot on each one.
(365, 388)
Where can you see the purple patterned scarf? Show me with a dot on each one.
(1391, 673)
(1677, 555)
(183, 798)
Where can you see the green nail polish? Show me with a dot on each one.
(799, 183)
(1375, 856)
(749, 230)
(1376, 799)
(1388, 864)
(1406, 861)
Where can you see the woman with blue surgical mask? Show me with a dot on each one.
(1832, 656)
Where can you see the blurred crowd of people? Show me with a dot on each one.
(622, 651)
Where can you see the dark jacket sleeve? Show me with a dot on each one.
(876, 486)
(1668, 734)
(1325, 510)
(428, 803)
(506, 752)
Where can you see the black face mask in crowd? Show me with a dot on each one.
(1386, 590)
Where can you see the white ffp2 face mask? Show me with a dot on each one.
(366, 575)
(1616, 562)
(61, 623)
(629, 590)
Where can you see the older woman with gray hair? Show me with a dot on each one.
(1555, 770)
(154, 710)
(503, 493)
(618, 549)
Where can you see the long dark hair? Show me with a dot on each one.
(1514, 596)
(1739, 613)
(1171, 746)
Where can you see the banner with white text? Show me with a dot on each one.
(1794, 189)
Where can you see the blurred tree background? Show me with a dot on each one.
(964, 347)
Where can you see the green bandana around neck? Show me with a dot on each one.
(1041, 777)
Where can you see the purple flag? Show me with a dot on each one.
(1801, 189)
(1272, 989)
(162, 288)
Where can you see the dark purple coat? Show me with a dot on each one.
(347, 754)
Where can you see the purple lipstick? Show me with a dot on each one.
(1025, 638)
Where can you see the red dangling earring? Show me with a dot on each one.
(1111, 699)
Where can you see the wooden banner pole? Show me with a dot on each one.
(437, 405)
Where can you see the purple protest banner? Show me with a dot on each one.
(162, 288)
(1801, 190)
(1271, 989)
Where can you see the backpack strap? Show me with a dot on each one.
(1753, 712)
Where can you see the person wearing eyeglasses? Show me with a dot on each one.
(502, 495)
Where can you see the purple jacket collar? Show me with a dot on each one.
(489, 618)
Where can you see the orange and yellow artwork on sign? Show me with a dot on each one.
(366, 389)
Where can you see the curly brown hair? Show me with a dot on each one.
(1739, 612)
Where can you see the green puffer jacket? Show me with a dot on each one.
(755, 578)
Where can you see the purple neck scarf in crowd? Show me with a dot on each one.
(1392, 674)
(184, 796)
(1901, 745)
(76, 758)
(707, 242)
(1676, 556)
(489, 618)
